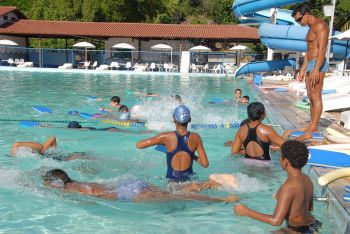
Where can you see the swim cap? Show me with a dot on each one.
(226, 180)
(74, 124)
(182, 114)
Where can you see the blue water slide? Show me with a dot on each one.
(264, 66)
(292, 38)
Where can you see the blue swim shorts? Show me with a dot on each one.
(128, 188)
(311, 64)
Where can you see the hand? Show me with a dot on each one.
(241, 210)
(300, 77)
(314, 77)
(228, 143)
(231, 199)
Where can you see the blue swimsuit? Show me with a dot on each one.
(253, 137)
(180, 176)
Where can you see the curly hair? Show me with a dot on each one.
(295, 152)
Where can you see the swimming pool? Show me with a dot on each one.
(29, 207)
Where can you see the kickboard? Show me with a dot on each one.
(217, 100)
(29, 124)
(281, 90)
(160, 148)
(42, 109)
(86, 115)
(327, 158)
(315, 135)
(302, 105)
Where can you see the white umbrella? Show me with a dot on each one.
(200, 49)
(238, 49)
(123, 46)
(85, 45)
(346, 37)
(6, 43)
(164, 47)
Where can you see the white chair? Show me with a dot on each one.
(21, 61)
(214, 68)
(86, 64)
(114, 65)
(128, 65)
(102, 67)
(153, 66)
(94, 65)
(10, 61)
(205, 68)
(166, 67)
(17, 61)
(26, 64)
(194, 68)
(66, 66)
(218, 69)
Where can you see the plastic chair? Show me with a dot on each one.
(128, 65)
(87, 64)
(10, 61)
(94, 65)
(153, 66)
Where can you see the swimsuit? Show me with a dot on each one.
(252, 136)
(129, 187)
(311, 64)
(180, 176)
(308, 229)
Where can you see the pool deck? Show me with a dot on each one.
(280, 106)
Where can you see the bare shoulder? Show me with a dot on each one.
(320, 25)
(195, 136)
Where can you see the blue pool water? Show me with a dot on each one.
(29, 207)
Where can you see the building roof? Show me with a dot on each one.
(52, 29)
(7, 9)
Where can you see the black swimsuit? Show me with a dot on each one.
(252, 136)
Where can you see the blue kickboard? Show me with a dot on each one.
(326, 158)
(315, 135)
(347, 188)
(86, 115)
(346, 197)
(42, 109)
(29, 124)
(217, 100)
(281, 90)
(160, 148)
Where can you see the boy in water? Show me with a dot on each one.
(114, 103)
(294, 197)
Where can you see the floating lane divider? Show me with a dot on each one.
(125, 123)
(40, 121)
(213, 126)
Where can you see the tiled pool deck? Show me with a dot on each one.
(281, 109)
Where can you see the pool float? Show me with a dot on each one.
(332, 156)
(337, 137)
(333, 175)
(315, 135)
(302, 105)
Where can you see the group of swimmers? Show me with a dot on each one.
(239, 98)
(253, 138)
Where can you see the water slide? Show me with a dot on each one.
(281, 36)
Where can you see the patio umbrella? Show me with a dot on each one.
(125, 46)
(6, 43)
(85, 45)
(346, 37)
(164, 47)
(238, 49)
(200, 49)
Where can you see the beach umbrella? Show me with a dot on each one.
(238, 49)
(125, 46)
(345, 36)
(164, 47)
(6, 43)
(200, 49)
(84, 45)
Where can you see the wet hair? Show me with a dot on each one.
(255, 110)
(238, 90)
(244, 122)
(115, 99)
(56, 174)
(178, 98)
(295, 152)
(302, 9)
(246, 97)
(123, 108)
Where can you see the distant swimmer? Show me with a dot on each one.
(256, 137)
(181, 146)
(238, 95)
(315, 65)
(245, 99)
(126, 189)
(114, 104)
(294, 197)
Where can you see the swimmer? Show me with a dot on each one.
(257, 137)
(245, 99)
(294, 197)
(128, 189)
(77, 126)
(181, 146)
(238, 95)
(114, 103)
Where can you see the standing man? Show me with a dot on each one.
(180, 147)
(315, 65)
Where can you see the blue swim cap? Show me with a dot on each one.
(182, 114)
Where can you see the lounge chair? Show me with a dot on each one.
(66, 66)
(102, 67)
(194, 68)
(153, 66)
(86, 64)
(205, 68)
(94, 65)
(10, 61)
(21, 61)
(17, 61)
(26, 64)
(114, 65)
(128, 66)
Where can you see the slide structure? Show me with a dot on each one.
(284, 35)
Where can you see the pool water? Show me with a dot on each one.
(29, 207)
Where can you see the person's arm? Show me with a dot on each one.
(322, 32)
(303, 69)
(284, 202)
(202, 155)
(237, 144)
(157, 140)
(274, 137)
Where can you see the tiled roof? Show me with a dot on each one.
(46, 28)
(6, 9)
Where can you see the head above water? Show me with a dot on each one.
(295, 152)
(245, 99)
(256, 111)
(56, 178)
(123, 108)
(182, 114)
(238, 93)
(74, 124)
(115, 99)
